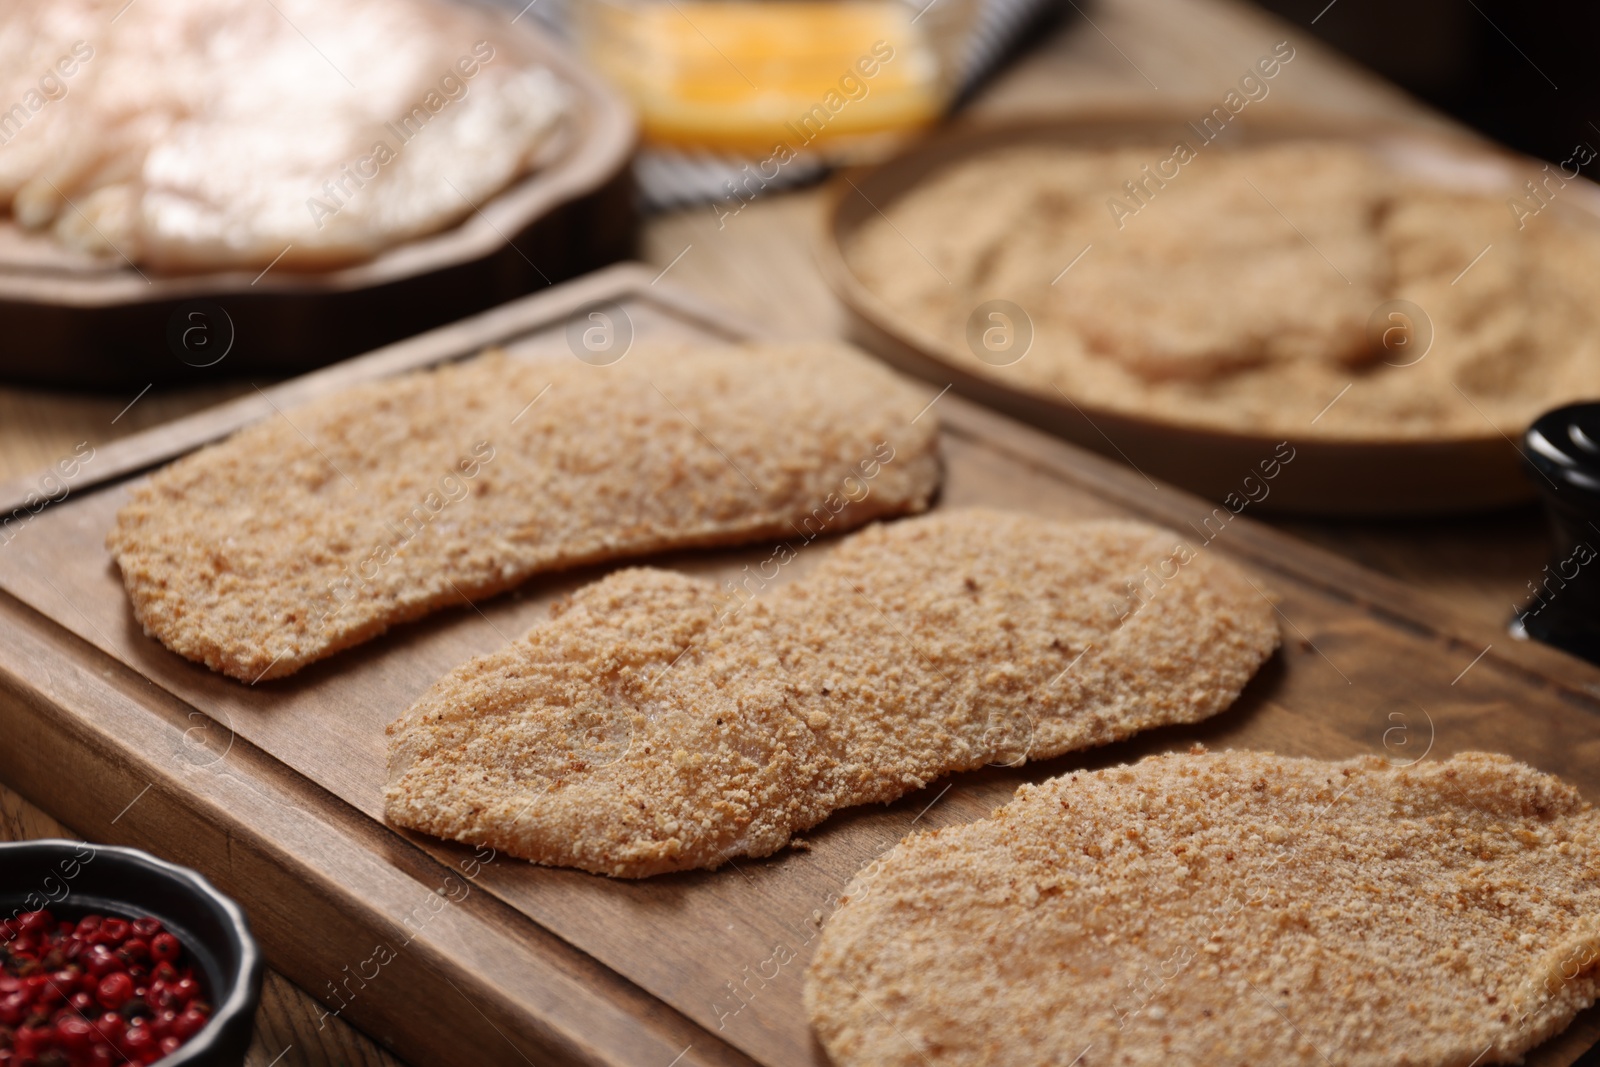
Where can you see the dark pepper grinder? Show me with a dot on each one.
(1563, 451)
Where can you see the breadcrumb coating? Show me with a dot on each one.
(1227, 908)
(657, 723)
(323, 525)
(1251, 288)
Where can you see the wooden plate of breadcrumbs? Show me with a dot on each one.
(1202, 294)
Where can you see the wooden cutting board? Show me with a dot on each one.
(274, 791)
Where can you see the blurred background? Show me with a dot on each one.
(1523, 73)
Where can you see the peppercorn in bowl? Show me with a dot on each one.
(110, 955)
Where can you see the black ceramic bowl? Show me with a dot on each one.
(71, 879)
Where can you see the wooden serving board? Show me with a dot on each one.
(108, 325)
(274, 791)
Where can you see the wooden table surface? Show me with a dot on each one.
(759, 263)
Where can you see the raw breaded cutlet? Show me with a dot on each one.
(1225, 909)
(658, 723)
(323, 525)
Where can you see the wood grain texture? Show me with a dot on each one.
(184, 784)
(758, 264)
(279, 795)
